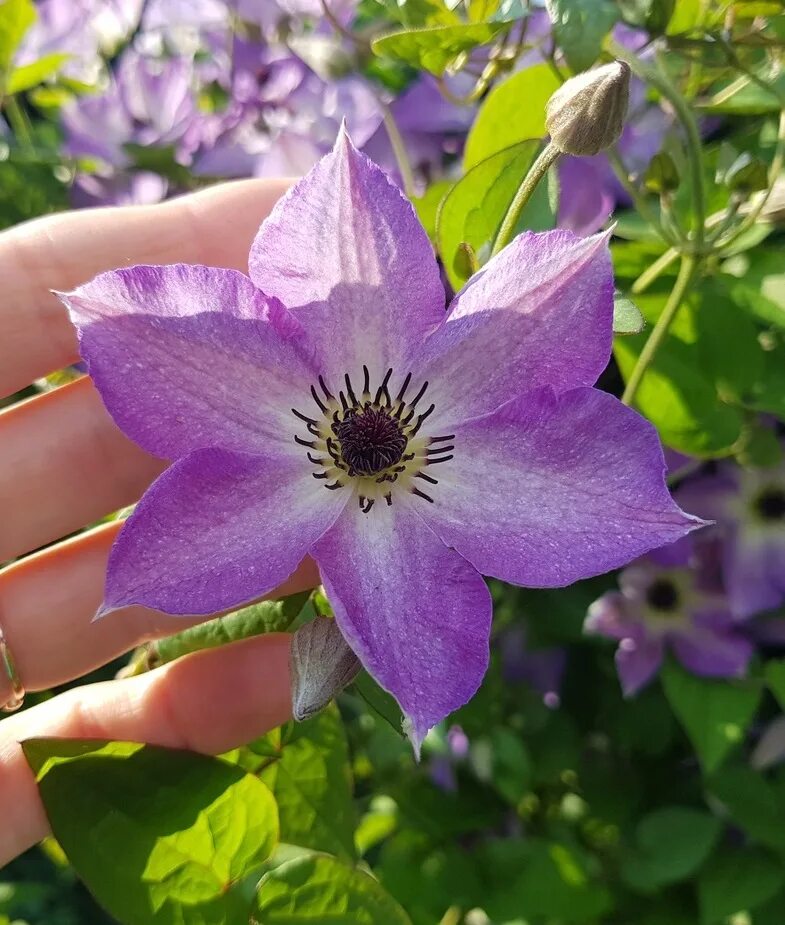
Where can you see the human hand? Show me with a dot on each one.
(63, 465)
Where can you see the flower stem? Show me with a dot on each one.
(19, 123)
(547, 157)
(657, 78)
(399, 150)
(687, 271)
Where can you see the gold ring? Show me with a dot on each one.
(17, 688)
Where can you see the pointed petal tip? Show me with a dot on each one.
(415, 736)
(104, 610)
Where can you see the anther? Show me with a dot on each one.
(319, 402)
(366, 381)
(382, 390)
(301, 442)
(388, 498)
(433, 462)
(422, 475)
(420, 420)
(350, 390)
(315, 460)
(303, 417)
(404, 387)
(421, 494)
(334, 486)
(419, 395)
(326, 391)
(439, 449)
(440, 439)
(320, 475)
(344, 403)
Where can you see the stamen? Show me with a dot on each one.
(320, 475)
(315, 460)
(319, 402)
(404, 387)
(420, 419)
(366, 381)
(439, 439)
(344, 403)
(350, 390)
(422, 475)
(326, 391)
(388, 498)
(334, 486)
(421, 494)
(382, 390)
(303, 417)
(301, 442)
(432, 462)
(439, 449)
(419, 395)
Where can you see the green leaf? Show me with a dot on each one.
(774, 674)
(686, 16)
(652, 15)
(627, 317)
(474, 209)
(714, 714)
(265, 617)
(16, 17)
(159, 836)
(435, 49)
(322, 889)
(30, 75)
(752, 803)
(380, 701)
(579, 27)
(511, 765)
(670, 845)
(690, 392)
(748, 99)
(756, 281)
(513, 111)
(427, 205)
(310, 776)
(736, 882)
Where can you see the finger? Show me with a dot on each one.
(64, 464)
(213, 227)
(48, 600)
(208, 702)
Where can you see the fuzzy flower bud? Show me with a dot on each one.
(586, 115)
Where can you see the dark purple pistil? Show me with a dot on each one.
(662, 595)
(771, 504)
(371, 440)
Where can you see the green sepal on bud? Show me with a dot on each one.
(586, 114)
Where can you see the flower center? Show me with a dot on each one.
(770, 504)
(372, 441)
(662, 595)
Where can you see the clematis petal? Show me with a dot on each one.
(416, 614)
(540, 313)
(637, 661)
(216, 530)
(187, 357)
(345, 251)
(551, 489)
(754, 570)
(712, 655)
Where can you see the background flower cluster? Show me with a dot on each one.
(624, 761)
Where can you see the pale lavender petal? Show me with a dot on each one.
(216, 530)
(345, 250)
(585, 198)
(554, 488)
(416, 614)
(713, 655)
(637, 662)
(614, 616)
(754, 571)
(187, 357)
(540, 313)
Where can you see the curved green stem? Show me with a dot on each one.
(687, 271)
(547, 157)
(657, 78)
(651, 273)
(638, 200)
(399, 150)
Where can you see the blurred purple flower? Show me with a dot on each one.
(671, 598)
(306, 408)
(749, 506)
(541, 669)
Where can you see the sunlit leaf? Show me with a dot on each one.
(579, 27)
(737, 881)
(320, 889)
(160, 837)
(435, 49)
(30, 75)
(16, 17)
(513, 111)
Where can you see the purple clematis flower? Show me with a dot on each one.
(671, 599)
(749, 507)
(328, 405)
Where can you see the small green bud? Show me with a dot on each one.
(586, 114)
(662, 175)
